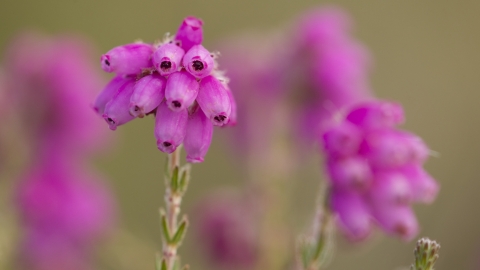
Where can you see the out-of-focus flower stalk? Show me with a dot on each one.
(173, 232)
(316, 250)
(273, 187)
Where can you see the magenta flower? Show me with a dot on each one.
(170, 128)
(63, 210)
(117, 110)
(214, 99)
(167, 58)
(108, 92)
(181, 90)
(382, 174)
(148, 93)
(190, 33)
(198, 137)
(198, 61)
(226, 230)
(326, 97)
(182, 72)
(49, 84)
(128, 59)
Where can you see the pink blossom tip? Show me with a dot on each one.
(117, 110)
(190, 32)
(127, 59)
(198, 61)
(198, 137)
(167, 59)
(170, 128)
(214, 100)
(377, 114)
(181, 90)
(148, 93)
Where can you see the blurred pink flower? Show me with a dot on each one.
(49, 84)
(319, 75)
(226, 230)
(387, 175)
(63, 209)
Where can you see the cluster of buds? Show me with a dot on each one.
(178, 81)
(376, 170)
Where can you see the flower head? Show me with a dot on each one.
(173, 79)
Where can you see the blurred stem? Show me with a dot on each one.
(176, 182)
(271, 170)
(315, 250)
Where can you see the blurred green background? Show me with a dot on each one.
(426, 55)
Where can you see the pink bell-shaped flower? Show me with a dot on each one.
(190, 33)
(199, 136)
(127, 59)
(181, 90)
(116, 110)
(167, 59)
(214, 101)
(148, 93)
(170, 128)
(198, 61)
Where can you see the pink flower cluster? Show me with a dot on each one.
(336, 67)
(63, 209)
(178, 81)
(375, 170)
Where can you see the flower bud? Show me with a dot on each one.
(108, 92)
(148, 93)
(424, 187)
(342, 140)
(396, 219)
(190, 32)
(390, 187)
(352, 173)
(170, 128)
(181, 90)
(417, 148)
(168, 59)
(353, 213)
(116, 111)
(214, 101)
(127, 59)
(377, 114)
(386, 149)
(199, 136)
(198, 61)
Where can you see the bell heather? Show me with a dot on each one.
(375, 170)
(179, 73)
(63, 210)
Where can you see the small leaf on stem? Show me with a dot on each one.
(178, 237)
(165, 229)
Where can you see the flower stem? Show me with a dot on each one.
(314, 251)
(173, 231)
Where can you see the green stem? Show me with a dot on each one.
(176, 181)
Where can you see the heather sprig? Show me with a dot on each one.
(426, 254)
(177, 80)
(64, 210)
